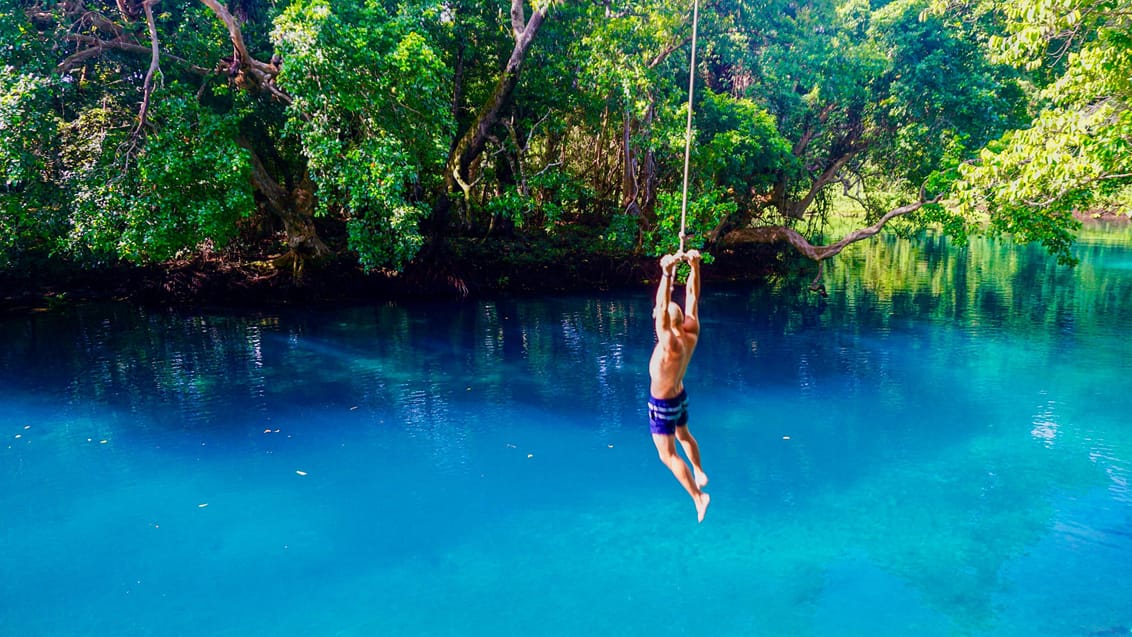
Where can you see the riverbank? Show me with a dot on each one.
(468, 270)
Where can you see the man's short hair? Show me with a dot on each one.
(675, 313)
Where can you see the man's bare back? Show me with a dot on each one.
(670, 360)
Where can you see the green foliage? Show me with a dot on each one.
(739, 148)
(705, 211)
(622, 232)
(186, 184)
(1116, 200)
(552, 194)
(371, 119)
(25, 138)
(944, 99)
(29, 201)
(510, 205)
(24, 47)
(555, 193)
(81, 182)
(616, 52)
(1074, 153)
(193, 33)
(795, 103)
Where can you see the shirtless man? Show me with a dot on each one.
(677, 332)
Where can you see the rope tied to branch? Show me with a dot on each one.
(688, 130)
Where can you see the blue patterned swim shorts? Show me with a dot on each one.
(666, 414)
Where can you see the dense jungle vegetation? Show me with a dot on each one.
(284, 135)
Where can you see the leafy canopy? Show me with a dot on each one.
(370, 116)
(1074, 154)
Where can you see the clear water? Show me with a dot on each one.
(942, 447)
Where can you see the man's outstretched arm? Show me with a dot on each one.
(664, 295)
(692, 288)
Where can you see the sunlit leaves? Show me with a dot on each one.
(739, 146)
(944, 100)
(22, 126)
(1075, 151)
(793, 101)
(705, 209)
(370, 114)
(28, 125)
(188, 184)
(622, 47)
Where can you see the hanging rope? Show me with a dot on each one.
(688, 132)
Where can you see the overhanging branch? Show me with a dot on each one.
(154, 65)
(94, 47)
(782, 234)
(249, 72)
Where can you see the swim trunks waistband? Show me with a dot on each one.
(666, 414)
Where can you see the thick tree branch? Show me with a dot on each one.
(76, 59)
(154, 65)
(250, 72)
(667, 51)
(95, 47)
(782, 234)
(295, 208)
(518, 19)
(234, 32)
(797, 209)
(672, 47)
(262, 180)
(807, 136)
(472, 143)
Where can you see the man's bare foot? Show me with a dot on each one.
(702, 502)
(701, 478)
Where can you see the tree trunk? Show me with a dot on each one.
(629, 171)
(295, 209)
(649, 176)
(457, 172)
(640, 179)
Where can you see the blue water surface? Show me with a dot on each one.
(941, 447)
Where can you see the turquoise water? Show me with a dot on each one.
(941, 447)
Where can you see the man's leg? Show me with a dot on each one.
(666, 449)
(692, 450)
